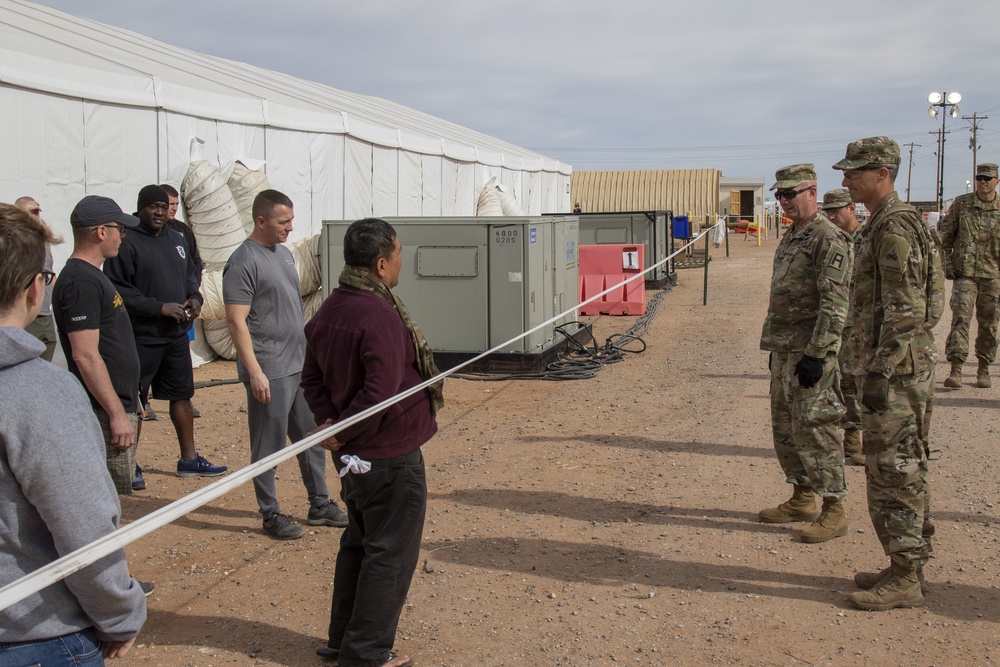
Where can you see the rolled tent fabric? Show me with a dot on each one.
(508, 202)
(211, 291)
(217, 335)
(212, 214)
(306, 254)
(245, 184)
(489, 204)
(311, 304)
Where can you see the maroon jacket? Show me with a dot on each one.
(358, 354)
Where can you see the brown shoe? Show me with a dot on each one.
(852, 442)
(954, 381)
(869, 580)
(856, 459)
(983, 376)
(832, 522)
(800, 507)
(899, 588)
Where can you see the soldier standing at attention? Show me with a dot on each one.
(898, 298)
(805, 317)
(970, 248)
(837, 206)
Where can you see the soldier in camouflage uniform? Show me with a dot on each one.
(970, 244)
(805, 317)
(898, 298)
(837, 206)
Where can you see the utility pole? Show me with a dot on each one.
(939, 186)
(909, 170)
(975, 117)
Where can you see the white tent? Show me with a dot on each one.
(88, 108)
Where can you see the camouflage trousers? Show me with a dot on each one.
(851, 391)
(981, 295)
(805, 425)
(897, 471)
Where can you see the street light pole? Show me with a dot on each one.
(942, 100)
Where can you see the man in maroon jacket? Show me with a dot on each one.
(363, 348)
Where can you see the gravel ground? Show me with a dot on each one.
(609, 521)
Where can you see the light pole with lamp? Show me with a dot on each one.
(943, 100)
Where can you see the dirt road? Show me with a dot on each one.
(610, 521)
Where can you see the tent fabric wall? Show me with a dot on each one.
(93, 109)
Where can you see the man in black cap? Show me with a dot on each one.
(156, 277)
(96, 334)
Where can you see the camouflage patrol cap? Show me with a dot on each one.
(792, 175)
(987, 169)
(834, 199)
(880, 151)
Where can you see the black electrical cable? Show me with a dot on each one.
(580, 362)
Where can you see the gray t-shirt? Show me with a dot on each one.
(265, 279)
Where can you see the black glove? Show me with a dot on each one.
(810, 370)
(875, 392)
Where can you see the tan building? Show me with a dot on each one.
(693, 192)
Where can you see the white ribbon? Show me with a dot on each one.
(353, 464)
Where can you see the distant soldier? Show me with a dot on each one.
(43, 327)
(837, 206)
(970, 244)
(805, 317)
(898, 298)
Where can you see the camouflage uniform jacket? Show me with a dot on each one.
(849, 346)
(809, 289)
(970, 237)
(899, 293)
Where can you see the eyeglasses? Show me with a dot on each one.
(984, 178)
(48, 275)
(114, 225)
(790, 194)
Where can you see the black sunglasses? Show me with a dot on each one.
(790, 194)
(984, 178)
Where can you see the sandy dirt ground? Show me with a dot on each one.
(610, 521)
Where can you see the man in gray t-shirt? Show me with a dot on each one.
(260, 289)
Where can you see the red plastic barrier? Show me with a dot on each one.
(603, 266)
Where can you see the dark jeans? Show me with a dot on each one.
(77, 649)
(378, 554)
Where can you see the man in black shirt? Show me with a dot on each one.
(96, 334)
(156, 277)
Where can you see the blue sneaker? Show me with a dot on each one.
(138, 483)
(200, 467)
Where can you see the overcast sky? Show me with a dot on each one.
(741, 86)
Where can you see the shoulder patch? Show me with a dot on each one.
(837, 263)
(893, 254)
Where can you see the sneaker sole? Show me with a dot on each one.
(284, 538)
(201, 474)
(327, 522)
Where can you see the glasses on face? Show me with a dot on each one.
(790, 194)
(48, 275)
(115, 225)
(984, 178)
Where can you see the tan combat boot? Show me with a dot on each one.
(831, 523)
(898, 588)
(800, 507)
(868, 580)
(954, 381)
(852, 447)
(983, 376)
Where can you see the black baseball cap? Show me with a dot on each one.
(94, 211)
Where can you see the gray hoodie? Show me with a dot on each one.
(55, 496)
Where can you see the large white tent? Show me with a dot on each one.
(89, 108)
